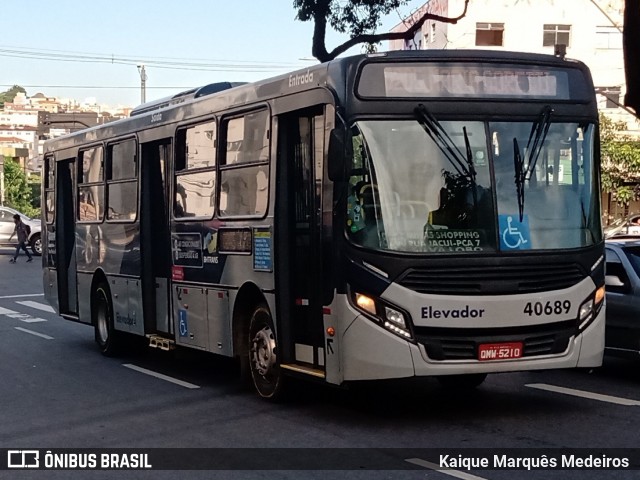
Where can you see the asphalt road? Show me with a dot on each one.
(57, 391)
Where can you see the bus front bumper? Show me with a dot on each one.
(370, 352)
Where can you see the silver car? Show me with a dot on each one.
(623, 295)
(7, 226)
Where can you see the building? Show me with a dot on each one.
(27, 122)
(591, 31)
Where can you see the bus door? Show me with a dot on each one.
(66, 237)
(298, 230)
(154, 236)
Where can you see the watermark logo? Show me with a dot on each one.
(23, 459)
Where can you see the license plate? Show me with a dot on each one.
(499, 351)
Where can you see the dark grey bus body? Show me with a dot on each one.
(203, 213)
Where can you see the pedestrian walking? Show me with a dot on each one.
(22, 231)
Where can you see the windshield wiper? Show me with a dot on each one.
(461, 163)
(520, 177)
(470, 166)
(535, 143)
(538, 134)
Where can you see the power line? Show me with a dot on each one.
(157, 62)
(130, 87)
(111, 55)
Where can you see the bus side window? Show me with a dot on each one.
(244, 191)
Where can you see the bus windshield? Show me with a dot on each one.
(472, 186)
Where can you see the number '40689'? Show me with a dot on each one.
(557, 307)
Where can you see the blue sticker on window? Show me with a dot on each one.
(183, 327)
(514, 234)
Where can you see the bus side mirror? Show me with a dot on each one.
(339, 152)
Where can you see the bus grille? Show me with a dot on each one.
(492, 280)
(462, 344)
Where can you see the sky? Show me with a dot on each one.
(82, 49)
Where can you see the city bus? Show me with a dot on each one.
(381, 216)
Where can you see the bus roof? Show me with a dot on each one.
(332, 74)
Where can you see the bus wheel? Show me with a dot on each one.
(106, 337)
(263, 355)
(467, 381)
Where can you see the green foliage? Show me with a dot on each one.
(9, 95)
(17, 190)
(359, 19)
(620, 160)
(354, 17)
(35, 186)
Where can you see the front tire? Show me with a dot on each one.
(106, 337)
(263, 355)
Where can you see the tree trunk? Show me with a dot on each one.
(631, 45)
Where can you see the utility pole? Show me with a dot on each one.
(143, 83)
(2, 180)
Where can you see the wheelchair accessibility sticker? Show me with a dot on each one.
(514, 234)
(182, 323)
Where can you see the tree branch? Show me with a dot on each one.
(375, 38)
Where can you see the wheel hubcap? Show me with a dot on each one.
(263, 351)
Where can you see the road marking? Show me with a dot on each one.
(446, 471)
(24, 295)
(581, 393)
(37, 306)
(23, 317)
(160, 376)
(37, 334)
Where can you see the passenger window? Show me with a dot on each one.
(92, 166)
(195, 178)
(49, 186)
(248, 138)
(122, 183)
(244, 176)
(195, 194)
(91, 187)
(244, 191)
(196, 147)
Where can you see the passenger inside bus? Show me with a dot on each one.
(355, 217)
(364, 218)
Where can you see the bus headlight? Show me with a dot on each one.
(391, 318)
(366, 303)
(395, 323)
(590, 308)
(395, 317)
(585, 313)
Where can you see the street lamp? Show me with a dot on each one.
(143, 83)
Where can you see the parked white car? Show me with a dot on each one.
(7, 226)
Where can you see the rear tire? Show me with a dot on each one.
(263, 355)
(108, 340)
(467, 381)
